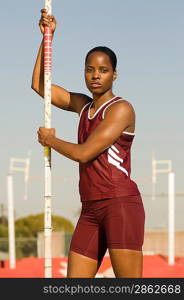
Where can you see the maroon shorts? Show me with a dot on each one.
(116, 223)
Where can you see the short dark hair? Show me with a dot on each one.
(106, 50)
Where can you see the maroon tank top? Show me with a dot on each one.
(108, 175)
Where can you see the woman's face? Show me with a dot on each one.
(99, 74)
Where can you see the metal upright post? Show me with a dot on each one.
(171, 202)
(10, 195)
(153, 176)
(11, 222)
(171, 225)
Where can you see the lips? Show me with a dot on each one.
(95, 85)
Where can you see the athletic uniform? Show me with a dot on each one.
(112, 214)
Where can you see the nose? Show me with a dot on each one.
(96, 75)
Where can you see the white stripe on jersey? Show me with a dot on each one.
(110, 105)
(114, 148)
(115, 155)
(83, 110)
(116, 164)
(131, 133)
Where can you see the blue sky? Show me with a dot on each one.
(147, 37)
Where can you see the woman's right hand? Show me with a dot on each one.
(47, 20)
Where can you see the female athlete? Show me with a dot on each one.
(112, 215)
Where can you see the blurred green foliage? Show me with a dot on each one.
(26, 230)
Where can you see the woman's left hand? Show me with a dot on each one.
(44, 134)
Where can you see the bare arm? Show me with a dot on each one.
(118, 117)
(61, 98)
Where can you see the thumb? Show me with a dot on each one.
(53, 131)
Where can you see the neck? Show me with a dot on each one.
(98, 100)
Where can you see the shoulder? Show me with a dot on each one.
(79, 101)
(119, 108)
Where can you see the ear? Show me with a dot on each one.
(115, 75)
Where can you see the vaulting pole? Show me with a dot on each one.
(47, 150)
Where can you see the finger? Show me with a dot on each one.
(49, 17)
(45, 19)
(41, 21)
(44, 24)
(54, 19)
(45, 16)
(43, 10)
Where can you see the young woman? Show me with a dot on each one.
(112, 215)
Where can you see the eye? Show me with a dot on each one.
(89, 69)
(104, 70)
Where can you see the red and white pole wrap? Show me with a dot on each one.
(47, 150)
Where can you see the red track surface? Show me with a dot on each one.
(154, 266)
